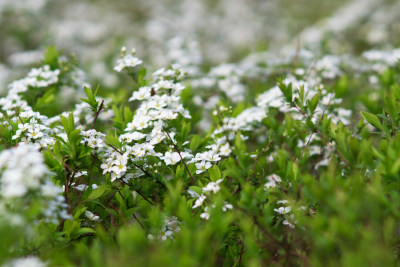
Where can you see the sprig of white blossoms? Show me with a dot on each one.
(91, 216)
(127, 61)
(273, 181)
(93, 138)
(211, 187)
(160, 104)
(224, 134)
(285, 212)
(25, 177)
(32, 126)
(170, 227)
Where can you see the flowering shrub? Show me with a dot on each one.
(293, 162)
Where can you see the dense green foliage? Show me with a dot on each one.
(294, 181)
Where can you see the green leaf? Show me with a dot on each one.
(179, 171)
(372, 119)
(196, 189)
(70, 227)
(215, 173)
(313, 103)
(185, 130)
(195, 142)
(112, 139)
(141, 77)
(128, 115)
(83, 231)
(64, 122)
(71, 123)
(91, 100)
(51, 57)
(98, 192)
(79, 212)
(46, 99)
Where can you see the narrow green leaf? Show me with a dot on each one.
(372, 119)
(215, 173)
(98, 192)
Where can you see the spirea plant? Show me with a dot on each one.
(293, 163)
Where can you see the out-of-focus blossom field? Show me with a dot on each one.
(198, 33)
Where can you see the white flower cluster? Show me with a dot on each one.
(42, 77)
(115, 163)
(172, 158)
(284, 211)
(211, 187)
(203, 160)
(32, 126)
(170, 227)
(327, 105)
(93, 139)
(127, 61)
(23, 170)
(225, 77)
(24, 177)
(29, 261)
(273, 180)
(243, 122)
(225, 133)
(91, 216)
(160, 104)
(382, 59)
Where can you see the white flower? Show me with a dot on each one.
(283, 210)
(128, 61)
(199, 201)
(273, 179)
(143, 93)
(171, 158)
(166, 234)
(225, 150)
(213, 186)
(282, 201)
(227, 206)
(205, 215)
(291, 221)
(202, 166)
(138, 151)
(120, 165)
(91, 216)
(107, 167)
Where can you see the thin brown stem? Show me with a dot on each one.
(16, 111)
(258, 156)
(324, 138)
(241, 254)
(136, 218)
(179, 153)
(139, 167)
(113, 194)
(66, 187)
(97, 114)
(145, 198)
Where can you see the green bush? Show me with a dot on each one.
(289, 164)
